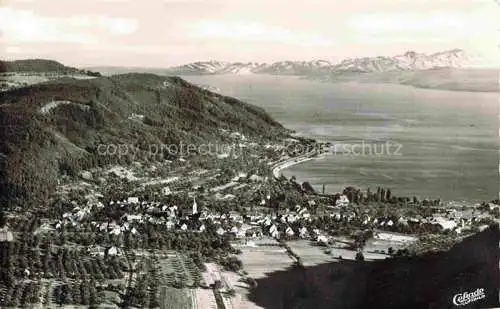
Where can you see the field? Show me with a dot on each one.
(383, 241)
(172, 298)
(180, 271)
(311, 254)
(258, 261)
(204, 299)
(240, 299)
(267, 257)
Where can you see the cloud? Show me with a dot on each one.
(454, 24)
(405, 22)
(253, 32)
(23, 26)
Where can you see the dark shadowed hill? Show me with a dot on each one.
(56, 126)
(428, 281)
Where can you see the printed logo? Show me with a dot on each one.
(465, 298)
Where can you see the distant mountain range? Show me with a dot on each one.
(410, 61)
(450, 70)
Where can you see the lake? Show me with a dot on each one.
(443, 144)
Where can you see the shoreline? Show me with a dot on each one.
(279, 167)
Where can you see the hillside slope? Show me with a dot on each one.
(35, 65)
(21, 73)
(41, 66)
(430, 280)
(57, 126)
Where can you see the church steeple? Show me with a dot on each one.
(195, 206)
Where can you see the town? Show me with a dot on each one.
(197, 232)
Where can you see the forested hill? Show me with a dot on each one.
(56, 126)
(41, 66)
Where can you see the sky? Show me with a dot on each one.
(161, 33)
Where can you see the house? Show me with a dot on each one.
(220, 231)
(6, 235)
(125, 226)
(289, 231)
(133, 200)
(115, 231)
(273, 230)
(102, 226)
(202, 228)
(445, 224)
(131, 218)
(184, 227)
(322, 239)
(303, 233)
(256, 178)
(402, 221)
(342, 201)
(251, 243)
(241, 233)
(96, 251)
(253, 233)
(228, 196)
(112, 251)
(166, 191)
(44, 228)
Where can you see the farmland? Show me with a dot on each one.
(180, 271)
(205, 299)
(310, 254)
(267, 257)
(172, 298)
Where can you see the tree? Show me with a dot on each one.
(390, 251)
(369, 195)
(306, 186)
(3, 219)
(360, 256)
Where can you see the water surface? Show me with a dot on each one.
(449, 140)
